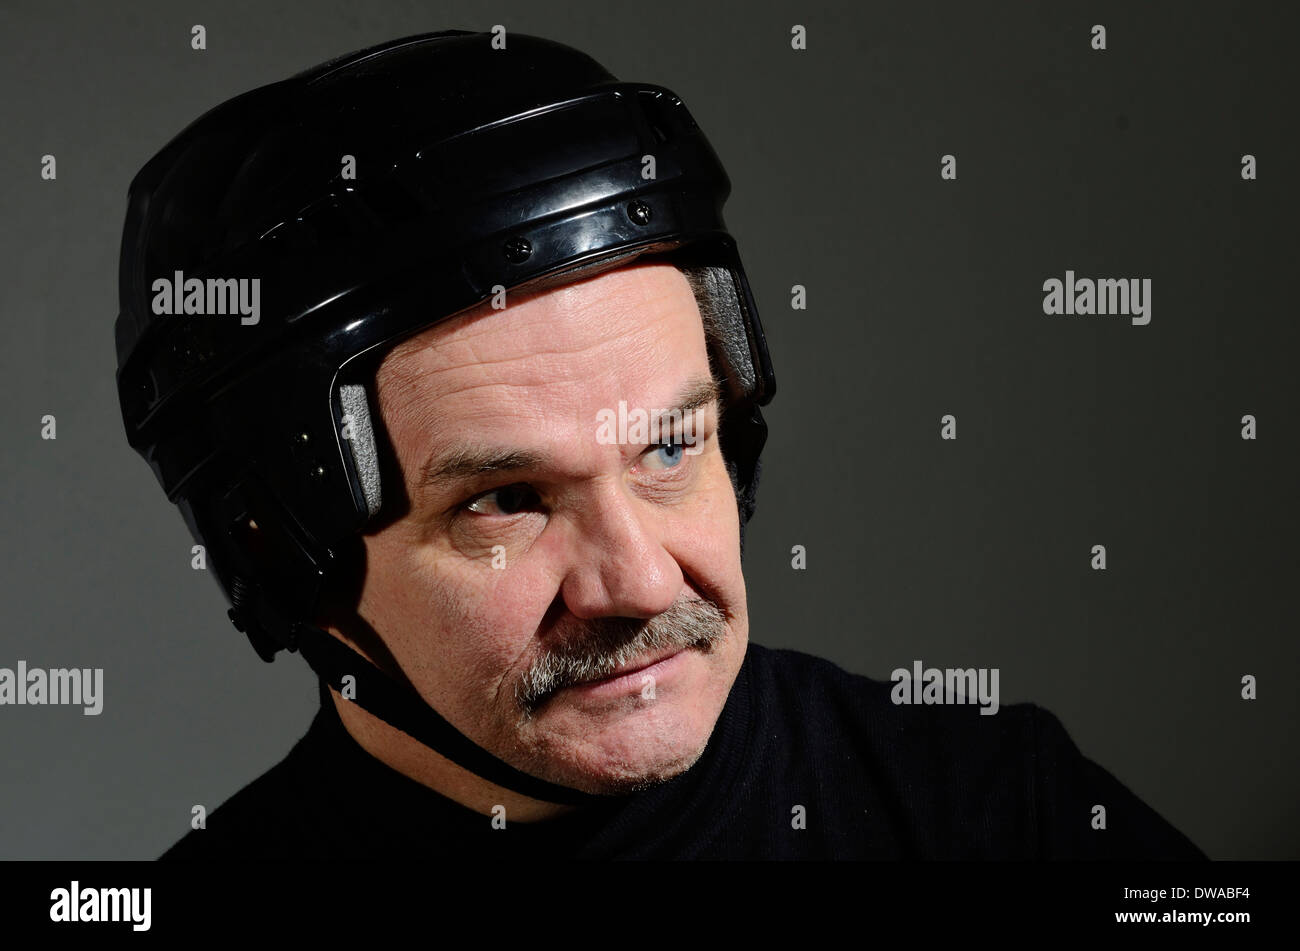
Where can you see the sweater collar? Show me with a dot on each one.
(350, 796)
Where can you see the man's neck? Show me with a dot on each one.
(412, 759)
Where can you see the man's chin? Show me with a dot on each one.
(624, 777)
(630, 753)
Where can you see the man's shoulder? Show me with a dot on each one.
(801, 681)
(955, 765)
(257, 821)
(817, 698)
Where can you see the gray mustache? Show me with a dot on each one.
(594, 649)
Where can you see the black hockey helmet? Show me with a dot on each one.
(353, 205)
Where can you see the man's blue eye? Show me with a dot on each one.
(667, 455)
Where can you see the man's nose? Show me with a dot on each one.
(620, 566)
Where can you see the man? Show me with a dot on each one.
(445, 354)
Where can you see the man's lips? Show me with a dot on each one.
(632, 667)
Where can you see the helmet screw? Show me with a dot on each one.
(518, 250)
(639, 212)
(302, 438)
(317, 471)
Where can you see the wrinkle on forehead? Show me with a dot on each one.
(639, 291)
(645, 315)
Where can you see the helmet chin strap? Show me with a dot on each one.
(403, 709)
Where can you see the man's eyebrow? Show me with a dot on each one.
(470, 461)
(467, 462)
(699, 392)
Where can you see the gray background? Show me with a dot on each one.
(924, 299)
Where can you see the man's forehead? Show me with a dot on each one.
(624, 323)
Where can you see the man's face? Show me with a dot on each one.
(538, 555)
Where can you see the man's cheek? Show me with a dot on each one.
(711, 520)
(488, 621)
(477, 540)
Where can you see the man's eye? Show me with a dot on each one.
(507, 500)
(666, 455)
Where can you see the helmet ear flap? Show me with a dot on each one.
(368, 452)
(271, 573)
(279, 577)
(359, 439)
(243, 614)
(724, 327)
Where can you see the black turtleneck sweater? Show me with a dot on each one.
(876, 780)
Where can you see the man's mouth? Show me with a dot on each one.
(630, 670)
(665, 660)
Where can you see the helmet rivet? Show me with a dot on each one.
(318, 471)
(301, 438)
(639, 212)
(518, 250)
